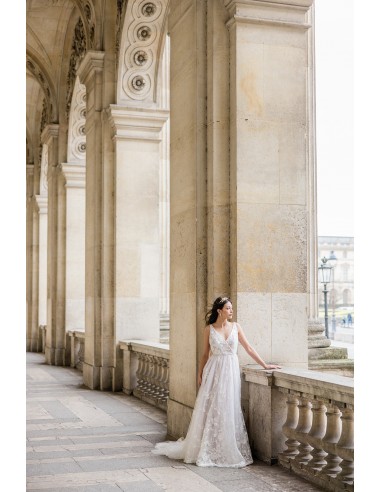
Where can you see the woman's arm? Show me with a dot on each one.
(252, 352)
(205, 355)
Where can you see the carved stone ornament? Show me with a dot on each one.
(40, 77)
(140, 46)
(78, 51)
(90, 20)
(140, 57)
(138, 83)
(144, 33)
(76, 149)
(148, 9)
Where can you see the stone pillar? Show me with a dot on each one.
(29, 253)
(270, 128)
(98, 365)
(55, 326)
(35, 278)
(137, 236)
(75, 175)
(164, 210)
(42, 203)
(188, 206)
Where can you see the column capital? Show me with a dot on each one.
(136, 123)
(74, 174)
(288, 13)
(42, 203)
(50, 131)
(92, 62)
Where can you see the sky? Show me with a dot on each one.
(334, 40)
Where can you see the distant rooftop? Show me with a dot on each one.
(335, 239)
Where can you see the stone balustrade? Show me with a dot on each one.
(76, 346)
(146, 371)
(311, 416)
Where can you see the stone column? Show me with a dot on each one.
(137, 137)
(98, 365)
(75, 175)
(164, 209)
(42, 203)
(316, 330)
(33, 346)
(270, 125)
(55, 327)
(29, 253)
(188, 287)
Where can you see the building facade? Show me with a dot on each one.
(341, 288)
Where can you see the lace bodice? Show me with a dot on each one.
(220, 346)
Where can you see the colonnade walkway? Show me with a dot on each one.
(92, 441)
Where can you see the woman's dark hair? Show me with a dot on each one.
(212, 314)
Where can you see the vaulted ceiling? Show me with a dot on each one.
(46, 27)
(53, 45)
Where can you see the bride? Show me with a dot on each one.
(217, 434)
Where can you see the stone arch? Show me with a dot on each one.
(76, 144)
(36, 69)
(142, 42)
(91, 18)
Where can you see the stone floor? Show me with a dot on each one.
(93, 441)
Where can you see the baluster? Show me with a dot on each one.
(159, 378)
(317, 432)
(288, 429)
(155, 376)
(146, 369)
(345, 447)
(330, 440)
(138, 373)
(166, 380)
(150, 380)
(302, 430)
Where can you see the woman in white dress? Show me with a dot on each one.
(217, 433)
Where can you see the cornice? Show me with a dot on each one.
(50, 131)
(92, 61)
(137, 124)
(281, 13)
(74, 174)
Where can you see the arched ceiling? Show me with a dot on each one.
(46, 30)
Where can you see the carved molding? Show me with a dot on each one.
(78, 51)
(140, 48)
(76, 149)
(90, 20)
(120, 15)
(34, 68)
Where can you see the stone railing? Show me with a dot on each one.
(146, 371)
(311, 417)
(75, 348)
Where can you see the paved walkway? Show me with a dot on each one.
(93, 441)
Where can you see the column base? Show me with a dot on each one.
(100, 377)
(179, 417)
(55, 357)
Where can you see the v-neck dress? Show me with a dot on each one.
(217, 433)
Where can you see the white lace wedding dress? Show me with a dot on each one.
(217, 433)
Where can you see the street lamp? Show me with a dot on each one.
(333, 260)
(325, 278)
